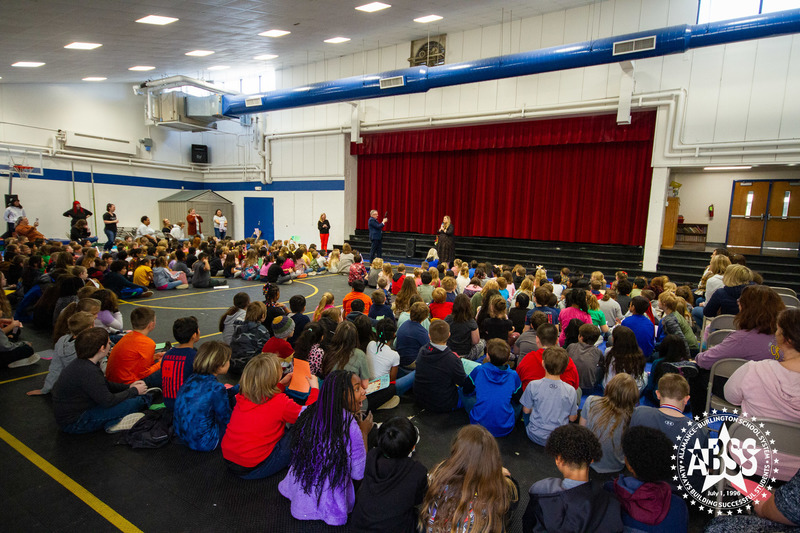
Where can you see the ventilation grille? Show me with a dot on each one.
(635, 45)
(390, 83)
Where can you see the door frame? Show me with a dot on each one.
(769, 197)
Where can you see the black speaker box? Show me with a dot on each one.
(199, 153)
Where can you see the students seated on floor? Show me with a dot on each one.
(624, 356)
(646, 497)
(297, 306)
(673, 395)
(573, 503)
(492, 391)
(587, 357)
(412, 335)
(64, 351)
(203, 406)
(379, 309)
(357, 271)
(356, 294)
(134, 357)
(464, 337)
(84, 401)
(116, 280)
(249, 336)
(439, 372)
(470, 486)
(178, 363)
(394, 484)
(496, 325)
(256, 443)
(283, 328)
(608, 417)
(550, 402)
(235, 313)
(201, 274)
(530, 368)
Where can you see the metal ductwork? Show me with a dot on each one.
(641, 45)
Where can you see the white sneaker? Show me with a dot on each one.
(32, 360)
(125, 423)
(393, 402)
(183, 286)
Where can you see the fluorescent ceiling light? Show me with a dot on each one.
(95, 78)
(429, 18)
(218, 67)
(83, 46)
(29, 64)
(373, 7)
(745, 167)
(274, 33)
(265, 57)
(199, 53)
(142, 68)
(337, 40)
(157, 20)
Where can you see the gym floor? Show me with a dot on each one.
(51, 481)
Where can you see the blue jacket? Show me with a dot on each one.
(496, 389)
(375, 229)
(202, 412)
(644, 331)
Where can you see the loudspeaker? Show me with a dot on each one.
(199, 153)
(411, 248)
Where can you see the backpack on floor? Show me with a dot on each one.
(154, 430)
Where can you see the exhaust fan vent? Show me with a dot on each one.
(390, 83)
(635, 45)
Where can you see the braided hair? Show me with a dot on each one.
(271, 293)
(321, 437)
(386, 331)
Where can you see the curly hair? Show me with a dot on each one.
(574, 444)
(648, 452)
(321, 438)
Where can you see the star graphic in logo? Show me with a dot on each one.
(736, 478)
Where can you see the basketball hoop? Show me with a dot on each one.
(23, 171)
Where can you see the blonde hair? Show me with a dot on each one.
(449, 283)
(387, 269)
(256, 311)
(591, 301)
(260, 378)
(377, 263)
(668, 301)
(439, 295)
(737, 275)
(435, 281)
(211, 356)
(325, 301)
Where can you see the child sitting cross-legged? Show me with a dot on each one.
(497, 390)
(177, 364)
(249, 337)
(646, 497)
(531, 369)
(64, 350)
(256, 444)
(394, 484)
(673, 395)
(573, 503)
(439, 372)
(379, 309)
(550, 402)
(203, 406)
(282, 328)
(587, 357)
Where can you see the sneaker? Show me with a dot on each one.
(303, 275)
(288, 282)
(391, 404)
(125, 423)
(184, 286)
(147, 294)
(32, 360)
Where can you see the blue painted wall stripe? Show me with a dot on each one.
(160, 183)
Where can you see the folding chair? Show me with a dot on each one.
(790, 301)
(716, 337)
(722, 368)
(784, 290)
(721, 322)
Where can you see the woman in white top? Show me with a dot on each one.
(220, 224)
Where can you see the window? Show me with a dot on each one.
(716, 10)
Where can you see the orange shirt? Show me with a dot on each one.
(132, 359)
(353, 295)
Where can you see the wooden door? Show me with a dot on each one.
(782, 234)
(748, 215)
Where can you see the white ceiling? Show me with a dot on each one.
(38, 30)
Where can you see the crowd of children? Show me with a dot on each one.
(565, 358)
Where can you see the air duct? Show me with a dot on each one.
(641, 45)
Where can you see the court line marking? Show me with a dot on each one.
(24, 377)
(97, 505)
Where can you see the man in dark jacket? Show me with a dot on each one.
(376, 235)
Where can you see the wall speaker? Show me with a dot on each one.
(199, 153)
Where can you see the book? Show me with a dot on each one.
(378, 384)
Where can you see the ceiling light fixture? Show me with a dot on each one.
(337, 40)
(265, 57)
(157, 20)
(27, 64)
(83, 46)
(95, 78)
(428, 18)
(274, 33)
(218, 67)
(142, 68)
(199, 53)
(373, 7)
(743, 167)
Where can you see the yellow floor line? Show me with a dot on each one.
(71, 485)
(23, 377)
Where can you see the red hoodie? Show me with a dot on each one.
(255, 428)
(648, 504)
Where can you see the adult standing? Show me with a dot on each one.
(13, 213)
(444, 246)
(324, 227)
(193, 221)
(77, 213)
(110, 226)
(220, 224)
(376, 235)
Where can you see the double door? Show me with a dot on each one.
(765, 218)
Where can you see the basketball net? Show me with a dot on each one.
(23, 171)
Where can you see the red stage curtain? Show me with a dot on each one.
(575, 180)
